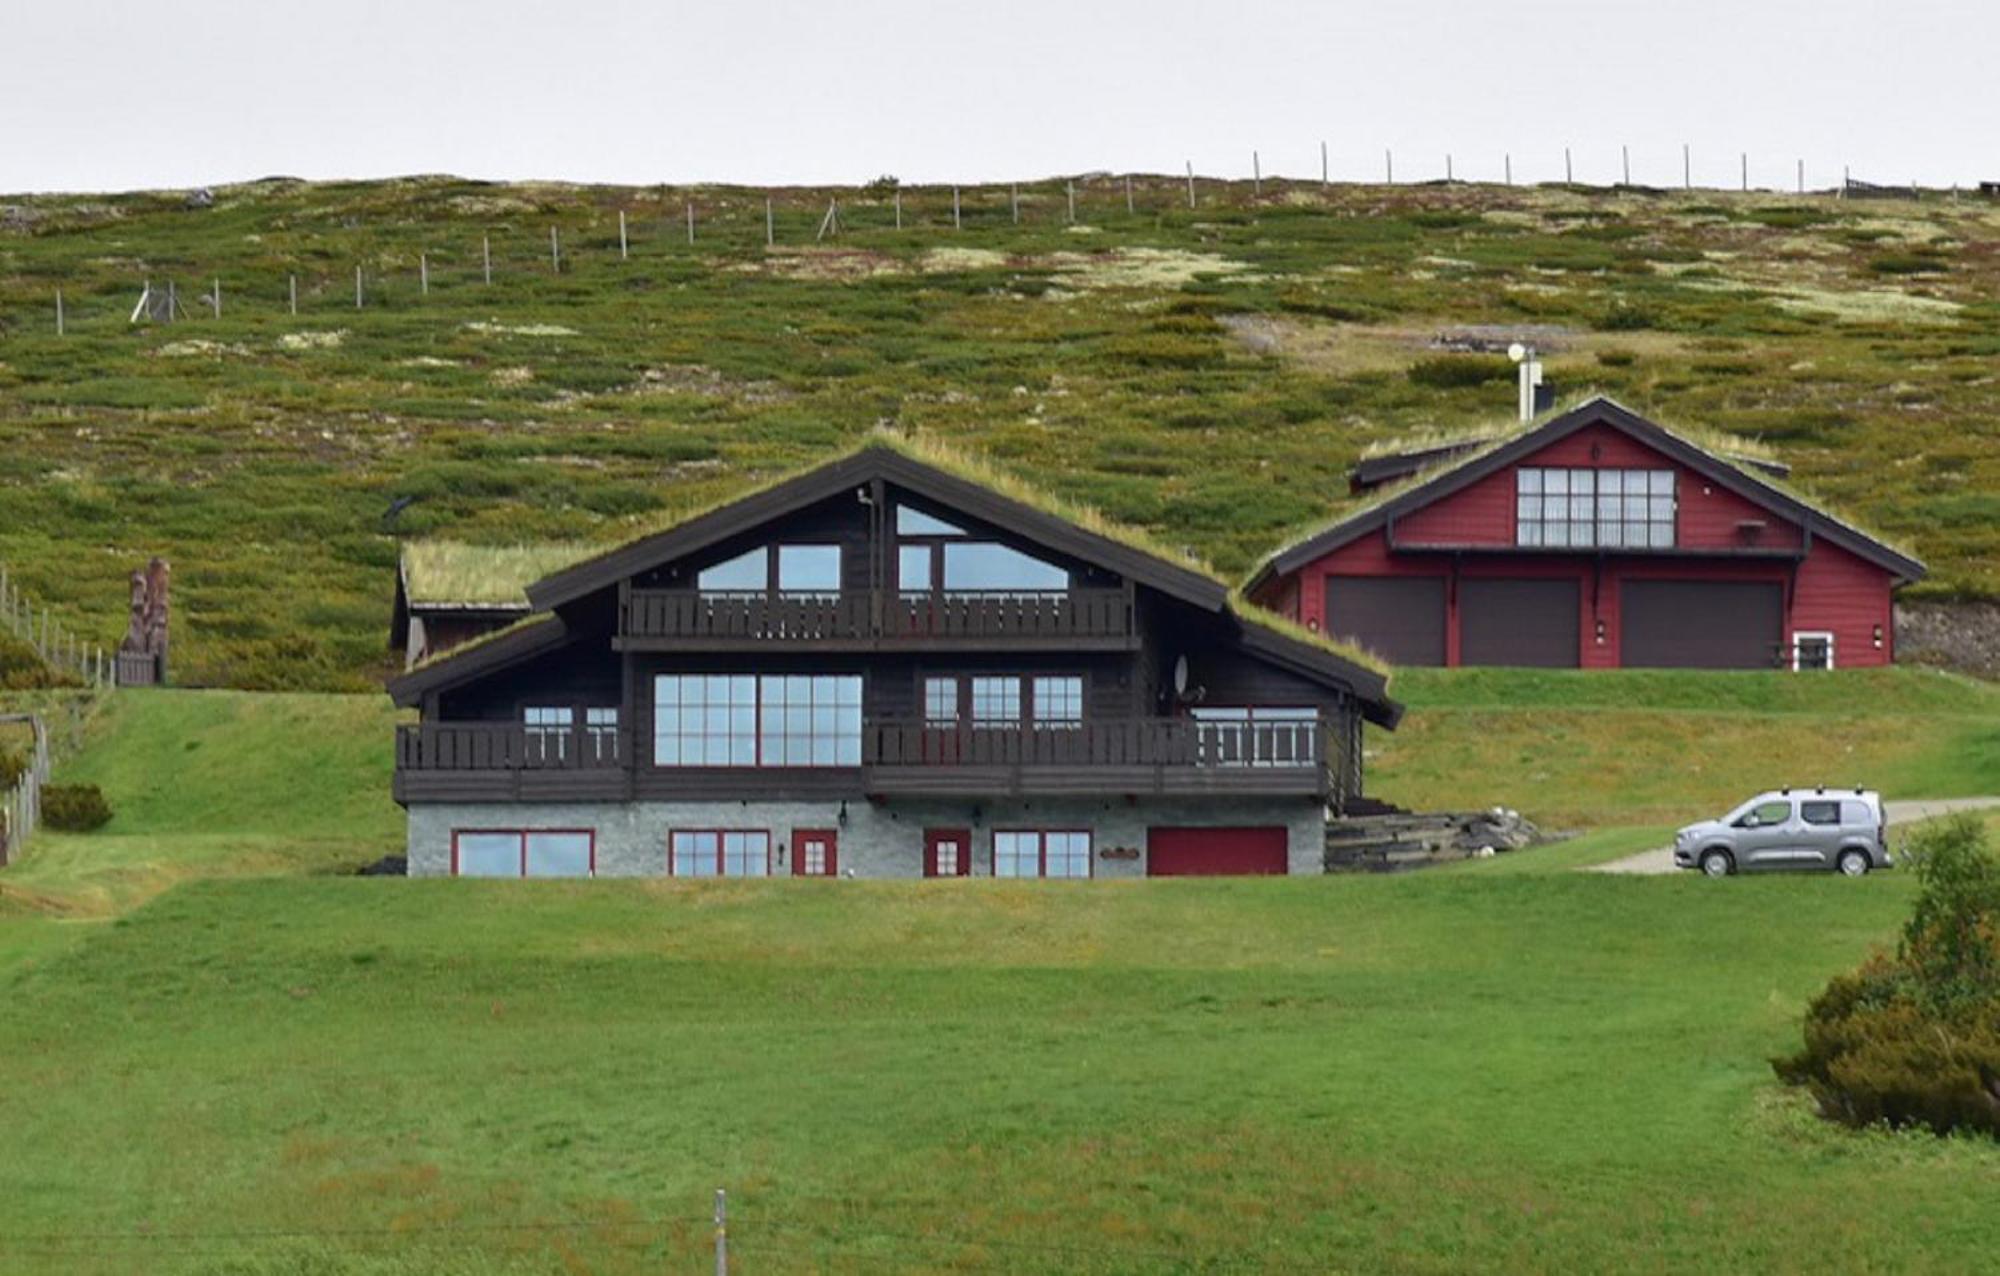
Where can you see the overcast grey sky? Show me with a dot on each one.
(103, 95)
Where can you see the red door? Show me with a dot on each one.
(947, 852)
(815, 853)
(1195, 852)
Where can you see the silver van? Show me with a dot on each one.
(1792, 828)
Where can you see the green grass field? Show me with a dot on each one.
(226, 1055)
(1207, 374)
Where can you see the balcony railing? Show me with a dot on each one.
(685, 615)
(506, 746)
(1134, 742)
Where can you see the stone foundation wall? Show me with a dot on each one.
(876, 841)
(1960, 636)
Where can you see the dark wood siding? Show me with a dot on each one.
(1529, 623)
(1700, 624)
(1400, 618)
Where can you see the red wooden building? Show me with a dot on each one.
(1596, 540)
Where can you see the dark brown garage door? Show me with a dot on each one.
(1699, 624)
(1189, 852)
(1400, 618)
(1529, 623)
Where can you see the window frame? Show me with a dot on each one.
(1042, 836)
(1800, 637)
(760, 711)
(935, 544)
(521, 835)
(773, 587)
(1607, 523)
(1029, 703)
(721, 836)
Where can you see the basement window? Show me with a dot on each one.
(1041, 853)
(524, 853)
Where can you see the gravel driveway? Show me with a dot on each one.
(1908, 812)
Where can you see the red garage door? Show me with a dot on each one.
(1181, 852)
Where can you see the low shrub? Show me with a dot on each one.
(1914, 1039)
(1626, 317)
(1904, 264)
(74, 808)
(1456, 371)
(13, 765)
(1615, 358)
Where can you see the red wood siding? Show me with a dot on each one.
(1708, 516)
(1847, 596)
(1831, 591)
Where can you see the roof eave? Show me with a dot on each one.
(477, 659)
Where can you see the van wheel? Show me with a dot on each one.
(1717, 863)
(1853, 863)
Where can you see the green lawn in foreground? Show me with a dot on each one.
(269, 1068)
(1434, 1073)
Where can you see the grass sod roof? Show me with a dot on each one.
(1716, 445)
(456, 574)
(979, 471)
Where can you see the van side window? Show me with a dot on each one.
(1855, 814)
(1820, 812)
(1766, 814)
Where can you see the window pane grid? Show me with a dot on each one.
(996, 701)
(1593, 508)
(1055, 853)
(744, 720)
(524, 853)
(1059, 701)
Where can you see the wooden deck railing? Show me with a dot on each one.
(689, 615)
(505, 746)
(1135, 742)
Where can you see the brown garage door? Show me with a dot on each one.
(1400, 618)
(1528, 623)
(1189, 852)
(1699, 624)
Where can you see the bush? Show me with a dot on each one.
(1456, 371)
(13, 765)
(1898, 264)
(74, 808)
(1914, 1039)
(1625, 317)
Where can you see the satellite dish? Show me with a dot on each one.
(1180, 675)
(1517, 352)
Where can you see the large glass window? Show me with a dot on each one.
(801, 569)
(986, 568)
(524, 853)
(1041, 853)
(809, 569)
(996, 702)
(810, 721)
(719, 853)
(749, 720)
(744, 574)
(1594, 508)
(705, 720)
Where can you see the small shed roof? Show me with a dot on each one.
(454, 575)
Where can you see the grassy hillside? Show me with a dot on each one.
(1661, 747)
(1205, 373)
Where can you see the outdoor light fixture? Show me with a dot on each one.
(842, 817)
(1600, 633)
(1878, 637)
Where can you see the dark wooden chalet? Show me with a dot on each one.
(885, 667)
(1597, 539)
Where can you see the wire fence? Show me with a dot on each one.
(507, 252)
(62, 651)
(21, 805)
